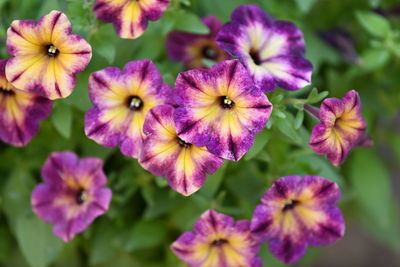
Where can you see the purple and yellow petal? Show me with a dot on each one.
(193, 49)
(121, 101)
(184, 165)
(297, 212)
(272, 51)
(220, 108)
(130, 18)
(21, 112)
(218, 241)
(341, 128)
(46, 56)
(72, 195)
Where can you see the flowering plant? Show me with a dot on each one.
(199, 133)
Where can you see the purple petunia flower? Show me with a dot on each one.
(297, 212)
(218, 241)
(130, 18)
(271, 50)
(20, 112)
(164, 153)
(122, 99)
(220, 108)
(46, 55)
(192, 49)
(341, 128)
(72, 195)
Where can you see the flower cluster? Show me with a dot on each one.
(296, 212)
(183, 132)
(214, 115)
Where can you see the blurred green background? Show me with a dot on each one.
(146, 215)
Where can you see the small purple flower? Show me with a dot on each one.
(271, 50)
(341, 128)
(72, 195)
(220, 108)
(192, 49)
(218, 241)
(121, 101)
(20, 112)
(297, 212)
(130, 18)
(164, 153)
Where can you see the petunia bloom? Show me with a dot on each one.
(121, 100)
(271, 50)
(297, 212)
(341, 128)
(218, 241)
(193, 49)
(45, 55)
(20, 112)
(130, 17)
(220, 108)
(164, 153)
(72, 195)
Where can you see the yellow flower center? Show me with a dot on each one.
(6, 91)
(52, 51)
(135, 103)
(255, 56)
(210, 52)
(82, 196)
(219, 242)
(183, 143)
(290, 204)
(226, 102)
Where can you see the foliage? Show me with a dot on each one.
(145, 215)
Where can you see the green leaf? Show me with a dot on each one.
(299, 119)
(62, 119)
(48, 6)
(373, 23)
(213, 182)
(189, 22)
(103, 242)
(259, 143)
(104, 42)
(37, 241)
(146, 234)
(305, 5)
(370, 180)
(374, 58)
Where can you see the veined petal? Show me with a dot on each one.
(341, 127)
(20, 113)
(217, 240)
(46, 56)
(122, 99)
(184, 165)
(297, 212)
(220, 108)
(130, 18)
(271, 50)
(72, 194)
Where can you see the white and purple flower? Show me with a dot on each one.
(271, 50)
